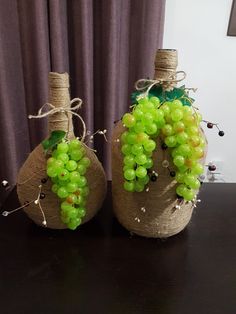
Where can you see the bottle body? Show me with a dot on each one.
(33, 174)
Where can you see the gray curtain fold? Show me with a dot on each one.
(105, 45)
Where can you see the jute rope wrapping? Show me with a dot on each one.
(153, 213)
(34, 168)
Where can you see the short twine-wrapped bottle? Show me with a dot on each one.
(156, 212)
(33, 174)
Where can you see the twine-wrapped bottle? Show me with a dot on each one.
(156, 212)
(33, 174)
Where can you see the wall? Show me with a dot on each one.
(197, 29)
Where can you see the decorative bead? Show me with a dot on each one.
(177, 207)
(137, 219)
(172, 173)
(42, 195)
(5, 213)
(44, 180)
(211, 167)
(210, 125)
(165, 163)
(5, 183)
(153, 178)
(221, 133)
(36, 202)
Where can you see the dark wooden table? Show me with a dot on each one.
(102, 269)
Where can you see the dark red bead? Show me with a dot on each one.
(221, 133)
(44, 180)
(172, 174)
(211, 167)
(210, 125)
(42, 195)
(153, 178)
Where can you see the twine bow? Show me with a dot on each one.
(67, 110)
(146, 85)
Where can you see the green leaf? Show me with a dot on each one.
(55, 138)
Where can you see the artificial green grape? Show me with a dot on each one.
(182, 138)
(192, 130)
(51, 161)
(179, 161)
(194, 140)
(179, 177)
(167, 130)
(177, 115)
(52, 171)
(147, 118)
(170, 141)
(189, 179)
(63, 175)
(181, 189)
(149, 163)
(128, 120)
(138, 114)
(140, 159)
(124, 137)
(158, 115)
(197, 169)
(74, 176)
(137, 149)
(141, 138)
(85, 161)
(138, 186)
(177, 104)
(76, 154)
(149, 145)
(131, 138)
(63, 157)
(141, 172)
(74, 144)
(71, 165)
(62, 192)
(55, 187)
(139, 127)
(178, 127)
(82, 181)
(184, 150)
(81, 169)
(129, 174)
(129, 186)
(188, 194)
(166, 108)
(71, 187)
(129, 161)
(71, 198)
(62, 147)
(81, 212)
(151, 128)
(155, 101)
(198, 153)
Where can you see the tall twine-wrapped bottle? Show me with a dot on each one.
(32, 175)
(155, 212)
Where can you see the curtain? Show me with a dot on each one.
(105, 46)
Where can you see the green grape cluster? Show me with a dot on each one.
(178, 127)
(67, 168)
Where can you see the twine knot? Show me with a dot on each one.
(146, 84)
(67, 110)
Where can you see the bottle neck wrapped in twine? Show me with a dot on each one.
(165, 73)
(59, 96)
(166, 63)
